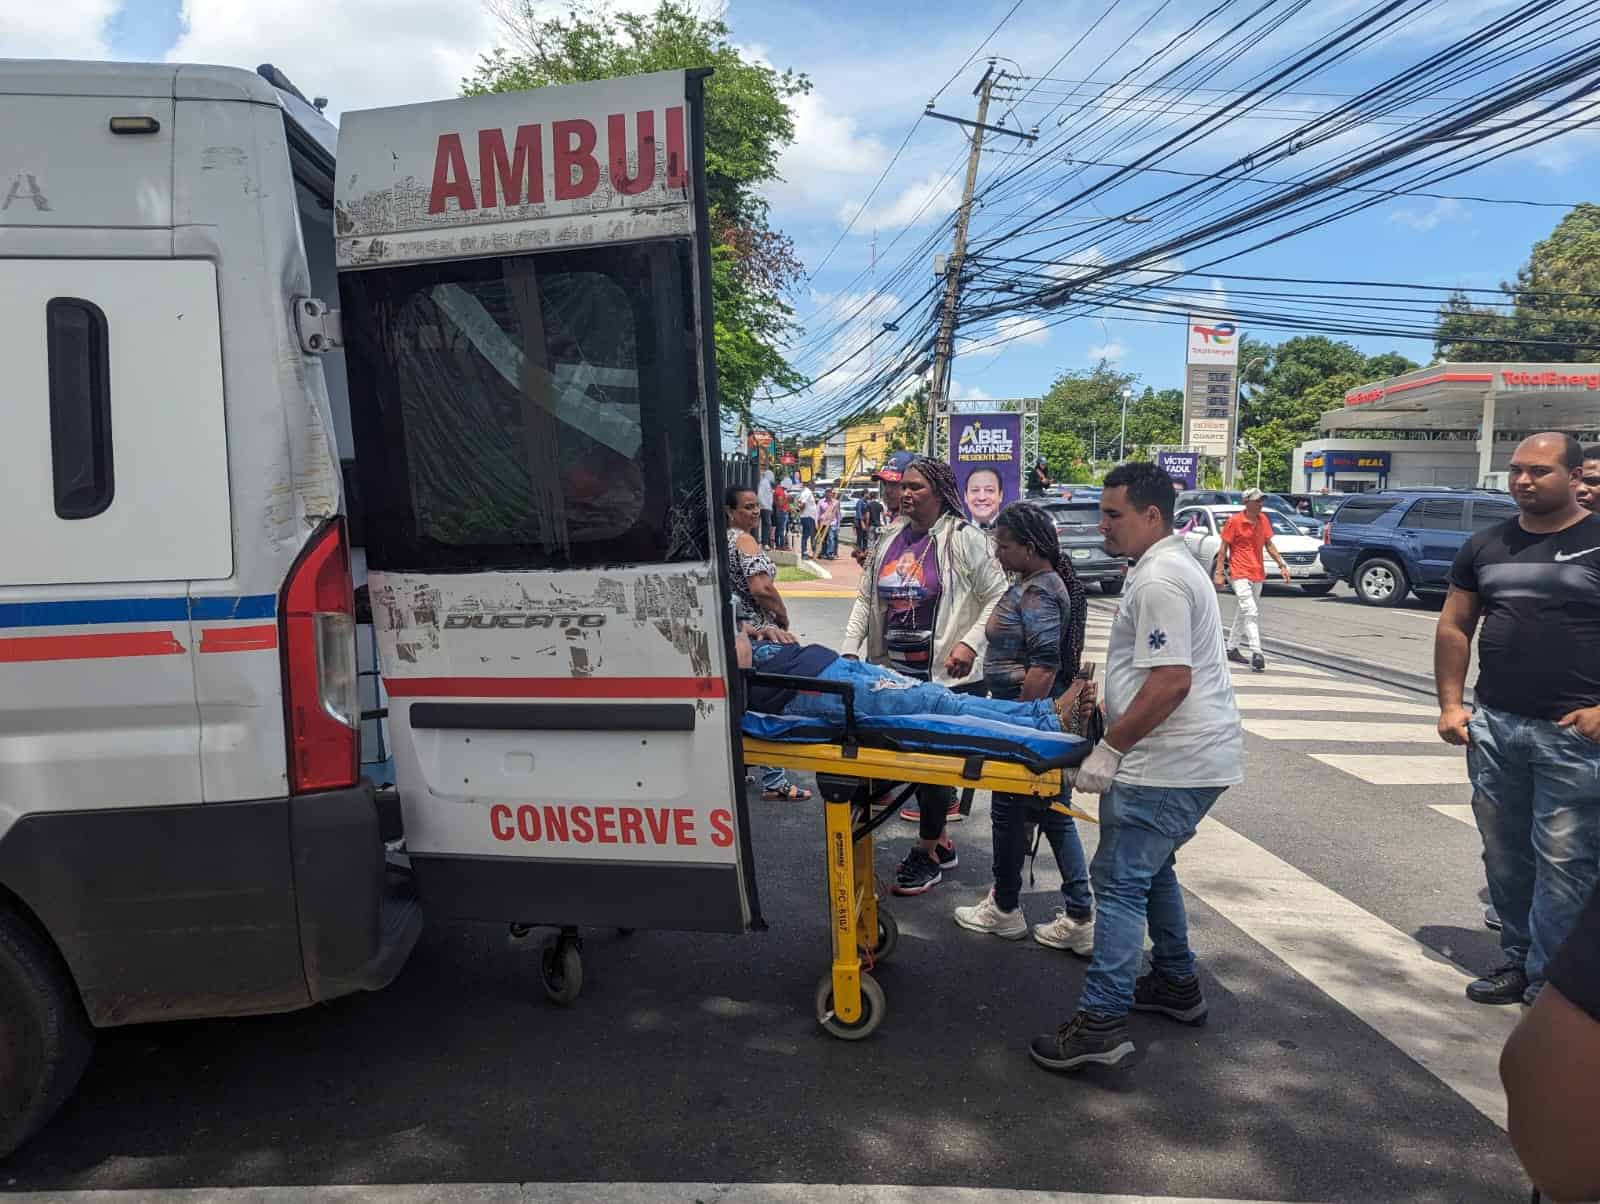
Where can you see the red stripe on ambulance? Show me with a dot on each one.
(100, 646)
(239, 639)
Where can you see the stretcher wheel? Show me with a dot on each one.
(561, 970)
(873, 1007)
(888, 936)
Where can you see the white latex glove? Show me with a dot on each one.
(1095, 774)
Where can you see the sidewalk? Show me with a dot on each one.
(846, 577)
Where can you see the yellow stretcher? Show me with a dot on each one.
(854, 781)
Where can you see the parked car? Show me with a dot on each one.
(1401, 541)
(1078, 531)
(1319, 506)
(1201, 527)
(1235, 498)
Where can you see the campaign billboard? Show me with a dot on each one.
(1183, 467)
(986, 454)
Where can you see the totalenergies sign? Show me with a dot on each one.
(1213, 341)
(1553, 380)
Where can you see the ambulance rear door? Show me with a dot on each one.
(525, 297)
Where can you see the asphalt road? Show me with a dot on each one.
(1336, 918)
(1389, 639)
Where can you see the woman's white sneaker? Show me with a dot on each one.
(987, 917)
(1063, 932)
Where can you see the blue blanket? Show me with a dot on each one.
(1038, 752)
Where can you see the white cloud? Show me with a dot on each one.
(1009, 333)
(961, 392)
(1112, 351)
(358, 53)
(56, 29)
(929, 200)
(1423, 220)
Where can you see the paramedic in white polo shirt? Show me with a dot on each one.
(1172, 745)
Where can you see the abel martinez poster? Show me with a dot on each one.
(986, 453)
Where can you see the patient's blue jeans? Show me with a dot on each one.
(883, 692)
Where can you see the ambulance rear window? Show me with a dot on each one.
(534, 411)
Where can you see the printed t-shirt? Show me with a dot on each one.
(1028, 630)
(909, 586)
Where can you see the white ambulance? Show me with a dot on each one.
(184, 828)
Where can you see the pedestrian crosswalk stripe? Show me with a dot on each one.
(1279, 681)
(1331, 702)
(1413, 769)
(1348, 731)
(1457, 811)
(1410, 995)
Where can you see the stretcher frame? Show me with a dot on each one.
(861, 787)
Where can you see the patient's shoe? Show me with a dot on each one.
(986, 916)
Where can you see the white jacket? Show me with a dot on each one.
(971, 581)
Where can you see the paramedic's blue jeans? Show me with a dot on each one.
(808, 536)
(1141, 830)
(782, 521)
(1008, 816)
(1536, 797)
(887, 693)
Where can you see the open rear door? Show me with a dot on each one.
(525, 292)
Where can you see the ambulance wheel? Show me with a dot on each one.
(45, 1038)
(561, 971)
(873, 1007)
(888, 937)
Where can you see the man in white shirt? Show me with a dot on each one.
(806, 503)
(1172, 745)
(764, 496)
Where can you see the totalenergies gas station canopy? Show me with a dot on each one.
(1483, 398)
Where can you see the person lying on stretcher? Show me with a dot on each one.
(881, 692)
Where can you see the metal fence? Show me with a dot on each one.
(739, 470)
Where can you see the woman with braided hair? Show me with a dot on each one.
(1035, 644)
(926, 593)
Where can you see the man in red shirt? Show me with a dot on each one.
(1244, 537)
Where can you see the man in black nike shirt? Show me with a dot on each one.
(1533, 740)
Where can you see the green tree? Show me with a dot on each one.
(1088, 406)
(1554, 303)
(912, 411)
(749, 121)
(1288, 386)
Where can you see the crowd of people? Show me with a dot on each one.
(795, 517)
(955, 619)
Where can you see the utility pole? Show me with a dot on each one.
(944, 344)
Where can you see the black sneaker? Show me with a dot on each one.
(1507, 984)
(1181, 1001)
(1238, 657)
(1085, 1040)
(1258, 663)
(945, 855)
(917, 874)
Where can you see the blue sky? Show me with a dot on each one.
(874, 66)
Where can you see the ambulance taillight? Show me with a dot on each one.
(317, 633)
